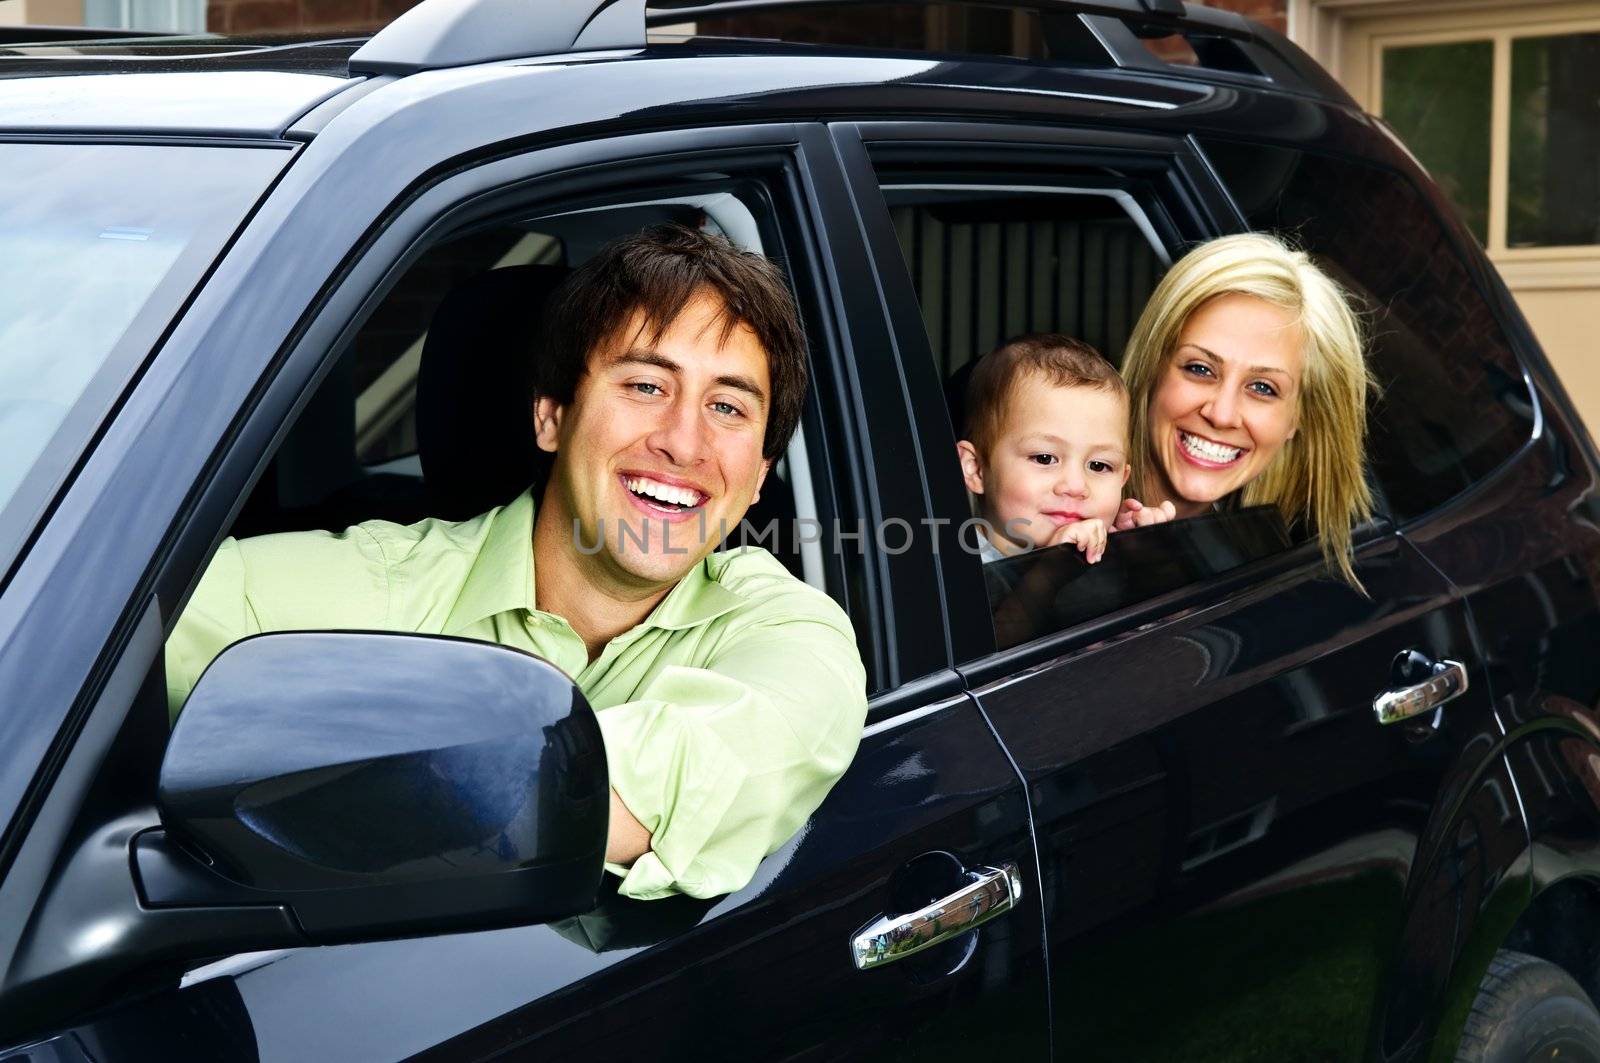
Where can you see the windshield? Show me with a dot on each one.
(99, 246)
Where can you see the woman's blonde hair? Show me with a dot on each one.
(1317, 475)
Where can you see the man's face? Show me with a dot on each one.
(659, 452)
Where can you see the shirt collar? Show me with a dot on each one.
(502, 579)
(987, 550)
(697, 599)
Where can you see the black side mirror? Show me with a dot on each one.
(377, 785)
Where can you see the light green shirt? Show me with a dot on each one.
(727, 714)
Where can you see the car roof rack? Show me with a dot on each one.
(446, 33)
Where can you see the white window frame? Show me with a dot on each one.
(1348, 37)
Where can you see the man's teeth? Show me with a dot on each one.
(1208, 450)
(680, 496)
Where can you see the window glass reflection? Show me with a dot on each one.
(99, 244)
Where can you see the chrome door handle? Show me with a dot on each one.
(993, 891)
(1402, 703)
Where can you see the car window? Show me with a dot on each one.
(1044, 591)
(99, 246)
(1453, 403)
(463, 320)
(992, 261)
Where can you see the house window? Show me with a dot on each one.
(1505, 119)
(1554, 157)
(168, 16)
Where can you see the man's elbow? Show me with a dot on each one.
(626, 839)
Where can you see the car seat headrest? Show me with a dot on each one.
(474, 390)
(955, 396)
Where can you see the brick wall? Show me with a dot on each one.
(283, 16)
(1273, 13)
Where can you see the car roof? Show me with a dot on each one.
(210, 84)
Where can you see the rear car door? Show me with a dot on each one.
(1238, 860)
(931, 807)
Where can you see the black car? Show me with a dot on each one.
(260, 285)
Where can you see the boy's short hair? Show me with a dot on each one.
(1061, 360)
(658, 272)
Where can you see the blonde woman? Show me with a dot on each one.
(1249, 387)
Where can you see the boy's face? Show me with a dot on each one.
(1061, 456)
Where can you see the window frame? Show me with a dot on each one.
(184, 16)
(1564, 265)
(557, 178)
(1196, 208)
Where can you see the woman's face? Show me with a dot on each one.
(1227, 399)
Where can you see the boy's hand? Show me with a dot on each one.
(1089, 536)
(1135, 514)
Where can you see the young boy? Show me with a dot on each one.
(1046, 448)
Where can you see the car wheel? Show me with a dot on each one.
(1528, 1009)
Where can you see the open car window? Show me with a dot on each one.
(992, 260)
(429, 413)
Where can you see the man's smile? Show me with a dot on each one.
(667, 497)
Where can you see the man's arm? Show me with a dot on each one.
(626, 839)
(298, 580)
(712, 767)
(719, 765)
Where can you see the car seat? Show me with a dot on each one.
(474, 391)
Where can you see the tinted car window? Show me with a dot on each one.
(1043, 591)
(1454, 404)
(99, 245)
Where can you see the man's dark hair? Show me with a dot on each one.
(658, 272)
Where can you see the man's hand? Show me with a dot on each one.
(626, 840)
(1135, 514)
(1089, 536)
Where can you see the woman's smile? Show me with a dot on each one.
(1207, 453)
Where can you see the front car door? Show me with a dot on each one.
(930, 802)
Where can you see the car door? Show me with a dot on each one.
(1238, 860)
(932, 807)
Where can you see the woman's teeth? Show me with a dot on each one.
(678, 496)
(1207, 450)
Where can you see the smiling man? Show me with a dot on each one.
(730, 695)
